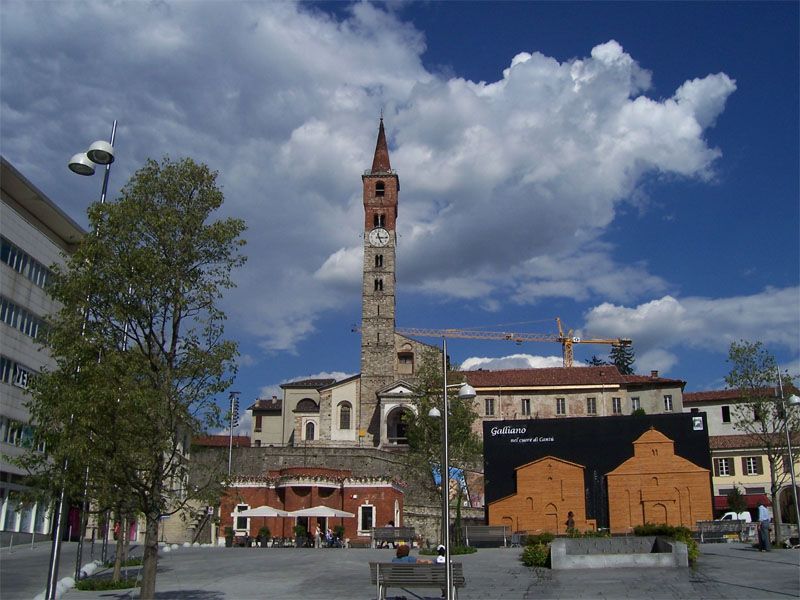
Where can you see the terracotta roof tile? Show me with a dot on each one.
(267, 404)
(720, 395)
(380, 162)
(554, 376)
(733, 442)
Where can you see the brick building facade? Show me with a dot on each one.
(374, 500)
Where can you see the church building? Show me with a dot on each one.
(366, 409)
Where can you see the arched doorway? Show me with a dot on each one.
(786, 499)
(396, 427)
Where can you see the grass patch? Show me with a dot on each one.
(92, 584)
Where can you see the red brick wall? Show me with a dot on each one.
(291, 498)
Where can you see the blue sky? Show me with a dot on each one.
(629, 167)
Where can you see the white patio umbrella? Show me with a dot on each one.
(320, 511)
(261, 511)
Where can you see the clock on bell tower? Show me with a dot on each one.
(380, 188)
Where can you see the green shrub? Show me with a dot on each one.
(131, 562)
(680, 534)
(536, 555)
(541, 538)
(91, 584)
(591, 533)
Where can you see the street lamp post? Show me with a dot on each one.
(99, 153)
(465, 392)
(786, 404)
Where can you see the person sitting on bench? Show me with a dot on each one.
(403, 556)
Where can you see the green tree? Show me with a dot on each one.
(595, 361)
(759, 412)
(736, 501)
(424, 432)
(139, 348)
(622, 357)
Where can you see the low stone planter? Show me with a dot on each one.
(601, 553)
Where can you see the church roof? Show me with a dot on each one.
(308, 383)
(380, 163)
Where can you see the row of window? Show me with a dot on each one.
(591, 405)
(22, 262)
(19, 318)
(750, 465)
(13, 373)
(18, 434)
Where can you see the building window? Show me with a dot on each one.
(635, 403)
(752, 465)
(724, 467)
(378, 285)
(378, 260)
(23, 263)
(310, 431)
(257, 426)
(379, 220)
(405, 363)
(19, 318)
(242, 523)
(380, 189)
(616, 406)
(526, 406)
(667, 403)
(591, 406)
(787, 464)
(561, 406)
(489, 406)
(257, 443)
(366, 517)
(726, 414)
(344, 415)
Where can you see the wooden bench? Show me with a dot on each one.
(486, 534)
(392, 535)
(716, 531)
(414, 575)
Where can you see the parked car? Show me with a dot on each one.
(732, 516)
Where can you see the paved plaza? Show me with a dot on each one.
(729, 571)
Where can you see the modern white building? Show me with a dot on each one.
(35, 234)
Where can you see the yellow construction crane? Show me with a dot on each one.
(566, 340)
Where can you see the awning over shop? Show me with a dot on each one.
(752, 500)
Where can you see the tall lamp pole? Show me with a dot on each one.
(786, 405)
(83, 163)
(465, 392)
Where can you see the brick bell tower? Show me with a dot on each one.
(381, 187)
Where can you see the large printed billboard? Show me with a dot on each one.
(599, 445)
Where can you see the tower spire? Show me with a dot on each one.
(380, 164)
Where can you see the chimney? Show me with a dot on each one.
(654, 374)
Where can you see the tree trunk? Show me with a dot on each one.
(774, 495)
(118, 546)
(150, 558)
